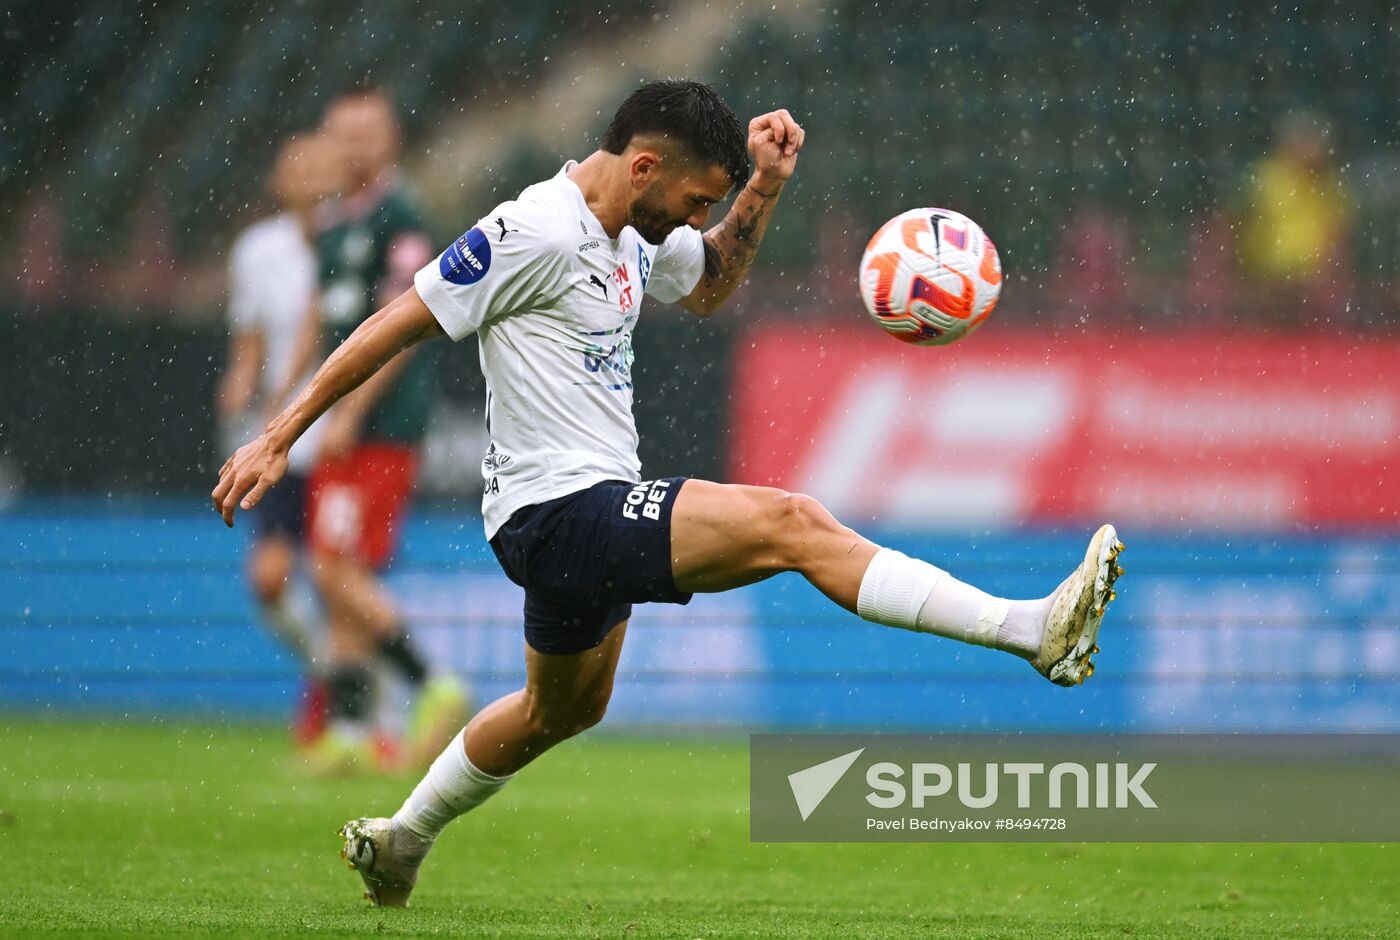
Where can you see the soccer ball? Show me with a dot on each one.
(930, 276)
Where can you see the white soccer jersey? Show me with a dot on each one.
(554, 301)
(272, 281)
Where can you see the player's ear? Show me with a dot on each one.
(645, 167)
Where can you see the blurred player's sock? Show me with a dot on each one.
(346, 744)
(398, 651)
(313, 712)
(351, 692)
(452, 786)
(904, 592)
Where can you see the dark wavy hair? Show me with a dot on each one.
(687, 112)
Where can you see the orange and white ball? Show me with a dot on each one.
(930, 276)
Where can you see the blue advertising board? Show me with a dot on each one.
(142, 610)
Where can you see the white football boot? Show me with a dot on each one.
(387, 861)
(1072, 627)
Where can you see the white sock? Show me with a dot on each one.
(282, 619)
(904, 592)
(452, 787)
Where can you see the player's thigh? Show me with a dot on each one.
(725, 536)
(556, 684)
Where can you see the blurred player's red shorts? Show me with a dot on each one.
(354, 504)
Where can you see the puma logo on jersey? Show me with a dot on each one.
(504, 231)
(595, 279)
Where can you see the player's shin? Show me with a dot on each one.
(904, 592)
(291, 627)
(452, 786)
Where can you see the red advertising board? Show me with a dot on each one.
(1009, 427)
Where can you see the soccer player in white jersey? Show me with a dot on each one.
(552, 283)
(272, 281)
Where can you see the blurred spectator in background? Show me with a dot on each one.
(272, 283)
(1295, 226)
(368, 251)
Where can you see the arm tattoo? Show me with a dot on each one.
(730, 247)
(712, 260)
(743, 231)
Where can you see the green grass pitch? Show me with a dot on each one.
(185, 831)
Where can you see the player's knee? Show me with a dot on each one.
(592, 709)
(557, 717)
(268, 574)
(796, 522)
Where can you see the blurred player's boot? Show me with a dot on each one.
(387, 858)
(388, 753)
(1076, 613)
(440, 712)
(337, 754)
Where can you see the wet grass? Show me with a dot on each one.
(154, 829)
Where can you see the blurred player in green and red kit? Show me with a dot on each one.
(272, 283)
(367, 252)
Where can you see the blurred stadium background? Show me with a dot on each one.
(1157, 359)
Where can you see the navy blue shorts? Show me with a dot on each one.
(282, 510)
(584, 559)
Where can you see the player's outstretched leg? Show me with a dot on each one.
(563, 696)
(724, 537)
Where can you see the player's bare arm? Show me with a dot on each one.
(248, 474)
(344, 424)
(775, 139)
(239, 383)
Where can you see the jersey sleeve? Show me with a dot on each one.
(510, 260)
(244, 295)
(680, 260)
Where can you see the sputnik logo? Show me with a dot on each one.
(811, 786)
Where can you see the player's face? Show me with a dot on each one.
(365, 133)
(307, 171)
(679, 197)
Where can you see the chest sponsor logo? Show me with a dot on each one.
(588, 246)
(626, 300)
(466, 260)
(615, 360)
